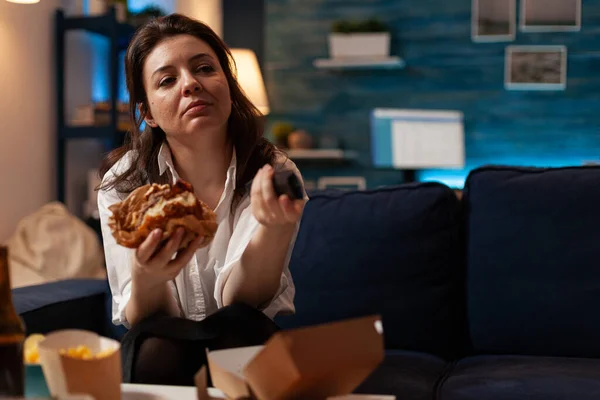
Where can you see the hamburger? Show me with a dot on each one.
(166, 207)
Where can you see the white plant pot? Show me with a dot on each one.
(355, 45)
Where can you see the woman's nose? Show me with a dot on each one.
(191, 85)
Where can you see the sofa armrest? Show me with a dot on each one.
(66, 304)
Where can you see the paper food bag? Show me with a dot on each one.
(81, 362)
(314, 362)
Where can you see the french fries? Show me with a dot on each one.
(31, 351)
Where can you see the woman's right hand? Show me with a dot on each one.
(155, 266)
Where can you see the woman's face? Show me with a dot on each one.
(186, 88)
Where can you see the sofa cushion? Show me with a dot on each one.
(522, 377)
(66, 304)
(394, 251)
(534, 260)
(406, 375)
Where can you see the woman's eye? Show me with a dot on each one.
(166, 81)
(206, 68)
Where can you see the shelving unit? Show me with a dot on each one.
(360, 63)
(119, 35)
(90, 132)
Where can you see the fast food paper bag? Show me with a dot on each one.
(98, 376)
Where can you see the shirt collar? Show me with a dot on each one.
(232, 169)
(165, 161)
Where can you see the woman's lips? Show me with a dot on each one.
(197, 109)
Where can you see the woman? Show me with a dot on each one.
(200, 127)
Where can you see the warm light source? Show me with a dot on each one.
(24, 1)
(250, 78)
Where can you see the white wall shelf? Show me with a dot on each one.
(391, 62)
(321, 155)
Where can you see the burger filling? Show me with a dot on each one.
(185, 199)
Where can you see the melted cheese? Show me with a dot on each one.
(186, 199)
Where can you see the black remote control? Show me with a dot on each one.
(285, 182)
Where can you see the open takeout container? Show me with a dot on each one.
(67, 375)
(314, 362)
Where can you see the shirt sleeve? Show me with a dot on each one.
(245, 227)
(118, 260)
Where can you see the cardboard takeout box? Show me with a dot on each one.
(98, 377)
(309, 363)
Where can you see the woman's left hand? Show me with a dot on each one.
(269, 210)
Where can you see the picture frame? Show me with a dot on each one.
(550, 16)
(536, 67)
(493, 20)
(412, 139)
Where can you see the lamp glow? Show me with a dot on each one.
(24, 1)
(250, 78)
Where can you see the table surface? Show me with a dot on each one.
(135, 391)
(131, 391)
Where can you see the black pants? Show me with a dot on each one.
(169, 351)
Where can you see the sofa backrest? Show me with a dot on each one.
(533, 277)
(394, 251)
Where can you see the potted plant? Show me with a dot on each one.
(281, 130)
(150, 12)
(362, 38)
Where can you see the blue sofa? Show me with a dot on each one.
(491, 294)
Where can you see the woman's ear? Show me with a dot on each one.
(145, 111)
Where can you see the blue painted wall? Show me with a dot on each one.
(445, 70)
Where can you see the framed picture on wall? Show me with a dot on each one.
(493, 20)
(536, 68)
(550, 15)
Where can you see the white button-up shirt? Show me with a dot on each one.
(198, 289)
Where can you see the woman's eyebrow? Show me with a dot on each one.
(199, 56)
(192, 59)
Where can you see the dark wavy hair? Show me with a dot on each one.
(244, 127)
